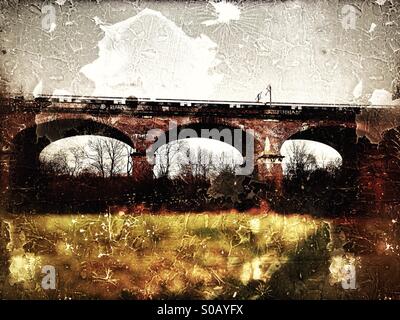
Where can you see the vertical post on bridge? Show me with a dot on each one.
(270, 96)
(269, 91)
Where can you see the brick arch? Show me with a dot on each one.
(242, 140)
(198, 126)
(27, 144)
(342, 139)
(64, 128)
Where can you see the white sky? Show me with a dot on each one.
(221, 153)
(203, 49)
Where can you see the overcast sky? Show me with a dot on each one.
(202, 49)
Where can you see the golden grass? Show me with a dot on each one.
(156, 256)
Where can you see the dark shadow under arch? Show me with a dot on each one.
(242, 138)
(24, 177)
(342, 139)
(324, 191)
(60, 129)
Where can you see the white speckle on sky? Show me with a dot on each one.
(372, 28)
(98, 21)
(53, 26)
(381, 97)
(380, 2)
(60, 2)
(357, 92)
(225, 12)
(38, 89)
(148, 55)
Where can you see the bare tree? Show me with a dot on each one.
(300, 160)
(196, 164)
(115, 154)
(57, 164)
(129, 160)
(199, 162)
(224, 163)
(78, 156)
(97, 156)
(60, 162)
(109, 156)
(169, 156)
(205, 163)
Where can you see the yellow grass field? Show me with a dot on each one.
(191, 256)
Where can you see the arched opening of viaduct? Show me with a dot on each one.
(24, 174)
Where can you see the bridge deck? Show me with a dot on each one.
(191, 102)
(145, 107)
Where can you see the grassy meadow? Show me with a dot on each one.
(228, 255)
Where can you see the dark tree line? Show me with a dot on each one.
(325, 189)
(103, 174)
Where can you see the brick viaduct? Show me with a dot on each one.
(29, 126)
